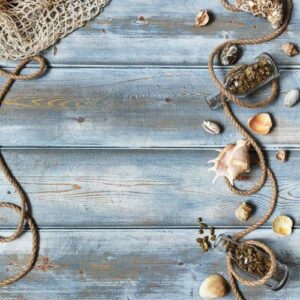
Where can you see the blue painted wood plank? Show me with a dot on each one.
(131, 264)
(131, 188)
(166, 35)
(133, 108)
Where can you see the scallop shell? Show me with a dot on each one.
(211, 127)
(292, 97)
(213, 287)
(282, 226)
(229, 55)
(232, 161)
(202, 18)
(260, 123)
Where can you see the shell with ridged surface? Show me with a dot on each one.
(213, 287)
(282, 225)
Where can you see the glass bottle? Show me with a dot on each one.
(251, 262)
(247, 78)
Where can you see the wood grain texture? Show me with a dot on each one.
(93, 188)
(132, 108)
(137, 32)
(100, 95)
(131, 264)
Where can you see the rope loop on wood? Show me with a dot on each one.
(35, 245)
(22, 210)
(265, 171)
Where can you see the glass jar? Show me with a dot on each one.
(251, 262)
(247, 78)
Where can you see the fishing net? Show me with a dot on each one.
(272, 10)
(30, 26)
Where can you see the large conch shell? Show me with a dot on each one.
(272, 10)
(232, 161)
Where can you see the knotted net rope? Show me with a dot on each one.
(30, 26)
(265, 171)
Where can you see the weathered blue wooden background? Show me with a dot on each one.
(109, 147)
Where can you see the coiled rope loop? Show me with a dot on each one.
(22, 209)
(265, 170)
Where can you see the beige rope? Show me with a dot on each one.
(22, 209)
(265, 170)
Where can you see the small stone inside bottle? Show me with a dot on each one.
(249, 77)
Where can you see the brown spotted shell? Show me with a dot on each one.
(290, 49)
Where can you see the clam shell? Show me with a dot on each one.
(211, 127)
(260, 123)
(282, 226)
(229, 55)
(291, 98)
(213, 287)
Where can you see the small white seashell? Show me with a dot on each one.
(211, 127)
(213, 287)
(282, 226)
(292, 97)
(282, 155)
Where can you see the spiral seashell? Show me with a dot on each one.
(232, 161)
(213, 287)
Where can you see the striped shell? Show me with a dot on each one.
(211, 127)
(213, 287)
(282, 226)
